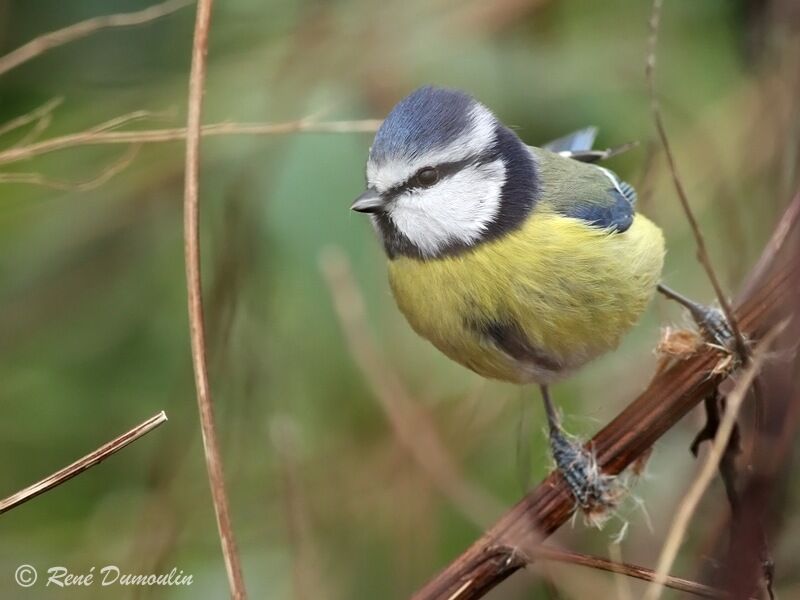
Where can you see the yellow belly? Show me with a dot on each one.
(573, 290)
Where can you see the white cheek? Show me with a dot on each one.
(457, 209)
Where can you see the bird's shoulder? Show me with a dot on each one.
(584, 191)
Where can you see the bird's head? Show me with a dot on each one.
(444, 174)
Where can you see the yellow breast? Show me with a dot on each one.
(572, 290)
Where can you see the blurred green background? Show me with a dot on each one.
(328, 500)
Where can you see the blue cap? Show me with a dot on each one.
(426, 119)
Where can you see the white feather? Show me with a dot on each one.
(476, 138)
(457, 209)
(613, 179)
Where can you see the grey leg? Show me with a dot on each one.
(711, 321)
(594, 491)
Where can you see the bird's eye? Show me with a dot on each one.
(427, 176)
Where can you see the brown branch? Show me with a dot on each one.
(673, 392)
(692, 498)
(418, 438)
(191, 216)
(54, 39)
(702, 253)
(93, 137)
(622, 585)
(82, 464)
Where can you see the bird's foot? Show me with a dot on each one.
(715, 327)
(711, 321)
(597, 494)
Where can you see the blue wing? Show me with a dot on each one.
(607, 202)
(579, 145)
(614, 211)
(577, 141)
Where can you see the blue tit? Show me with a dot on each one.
(520, 263)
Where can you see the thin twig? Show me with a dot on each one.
(623, 586)
(41, 117)
(38, 129)
(82, 464)
(127, 119)
(92, 137)
(48, 41)
(692, 497)
(702, 253)
(191, 232)
(35, 115)
(547, 552)
(80, 186)
(740, 347)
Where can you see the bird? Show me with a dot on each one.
(521, 263)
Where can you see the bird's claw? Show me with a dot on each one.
(711, 321)
(596, 493)
(715, 327)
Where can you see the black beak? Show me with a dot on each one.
(368, 202)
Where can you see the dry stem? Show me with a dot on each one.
(546, 552)
(115, 168)
(702, 253)
(692, 498)
(191, 208)
(36, 115)
(93, 137)
(48, 41)
(82, 464)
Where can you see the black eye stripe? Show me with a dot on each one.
(444, 170)
(520, 193)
